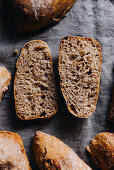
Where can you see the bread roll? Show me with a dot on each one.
(5, 78)
(79, 67)
(12, 152)
(32, 15)
(101, 149)
(52, 153)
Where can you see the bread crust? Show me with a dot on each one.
(5, 78)
(52, 153)
(64, 95)
(12, 143)
(101, 150)
(30, 118)
(32, 15)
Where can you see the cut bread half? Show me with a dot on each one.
(35, 90)
(80, 62)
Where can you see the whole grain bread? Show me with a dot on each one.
(51, 153)
(12, 152)
(79, 67)
(35, 90)
(35, 14)
(101, 149)
(5, 78)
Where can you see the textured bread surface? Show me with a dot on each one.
(101, 149)
(5, 78)
(35, 90)
(51, 153)
(12, 152)
(80, 62)
(35, 14)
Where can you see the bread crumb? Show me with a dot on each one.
(15, 51)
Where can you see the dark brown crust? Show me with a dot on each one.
(101, 149)
(18, 140)
(86, 39)
(28, 16)
(19, 115)
(52, 153)
(111, 109)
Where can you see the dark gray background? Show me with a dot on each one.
(88, 18)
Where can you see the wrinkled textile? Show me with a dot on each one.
(88, 18)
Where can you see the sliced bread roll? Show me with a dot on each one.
(51, 153)
(80, 62)
(35, 90)
(12, 152)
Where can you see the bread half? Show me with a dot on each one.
(80, 62)
(52, 153)
(12, 152)
(5, 78)
(101, 149)
(35, 90)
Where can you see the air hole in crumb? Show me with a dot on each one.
(65, 38)
(43, 87)
(36, 84)
(85, 87)
(26, 72)
(46, 74)
(32, 107)
(88, 105)
(89, 72)
(72, 57)
(29, 98)
(43, 113)
(39, 48)
(72, 108)
(31, 66)
(77, 68)
(41, 104)
(43, 97)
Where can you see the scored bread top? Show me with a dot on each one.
(12, 152)
(80, 62)
(35, 90)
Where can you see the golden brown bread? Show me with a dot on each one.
(5, 78)
(35, 14)
(101, 149)
(51, 153)
(12, 152)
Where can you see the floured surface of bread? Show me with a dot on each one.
(5, 78)
(12, 152)
(80, 62)
(34, 86)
